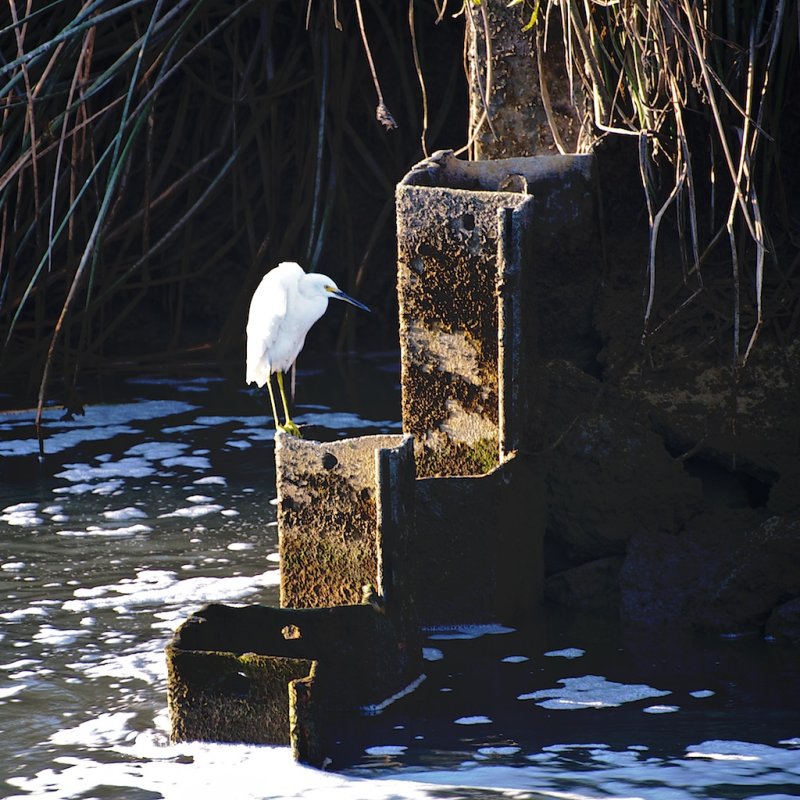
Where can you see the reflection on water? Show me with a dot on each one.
(158, 500)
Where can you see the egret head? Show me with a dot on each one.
(327, 286)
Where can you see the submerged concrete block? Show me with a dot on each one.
(228, 676)
(278, 676)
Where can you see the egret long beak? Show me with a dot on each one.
(340, 295)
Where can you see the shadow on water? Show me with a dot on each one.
(158, 500)
(586, 681)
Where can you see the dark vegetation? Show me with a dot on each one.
(156, 159)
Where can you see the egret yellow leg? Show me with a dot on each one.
(288, 426)
(272, 401)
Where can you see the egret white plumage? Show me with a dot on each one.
(287, 302)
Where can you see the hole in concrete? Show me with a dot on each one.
(329, 461)
(725, 488)
(291, 632)
(426, 250)
(468, 221)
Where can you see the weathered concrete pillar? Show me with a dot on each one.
(345, 518)
(448, 241)
(480, 246)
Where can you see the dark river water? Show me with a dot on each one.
(159, 499)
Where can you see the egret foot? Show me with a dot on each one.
(291, 429)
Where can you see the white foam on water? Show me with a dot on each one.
(238, 444)
(125, 467)
(210, 420)
(593, 771)
(108, 487)
(98, 423)
(702, 693)
(146, 665)
(59, 442)
(20, 663)
(661, 709)
(100, 731)
(503, 750)
(566, 748)
(240, 545)
(181, 428)
(157, 451)
(466, 631)
(749, 751)
(204, 772)
(170, 619)
(254, 435)
(386, 750)
(474, 720)
(591, 691)
(129, 512)
(128, 530)
(211, 479)
(193, 462)
(123, 532)
(568, 652)
(108, 755)
(192, 512)
(18, 507)
(342, 420)
(57, 637)
(514, 659)
(163, 587)
(24, 518)
(13, 566)
(432, 654)
(21, 613)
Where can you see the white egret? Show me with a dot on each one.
(287, 302)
